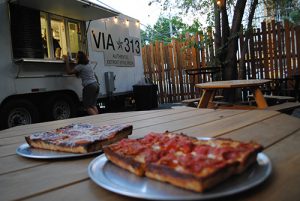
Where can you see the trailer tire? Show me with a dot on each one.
(60, 107)
(18, 112)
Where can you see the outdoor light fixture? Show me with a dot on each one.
(219, 3)
(127, 22)
(116, 20)
(137, 23)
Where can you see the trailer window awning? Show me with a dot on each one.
(76, 9)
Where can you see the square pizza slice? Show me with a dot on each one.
(78, 138)
(134, 154)
(181, 160)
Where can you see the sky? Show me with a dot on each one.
(138, 9)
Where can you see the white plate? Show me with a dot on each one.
(115, 179)
(26, 151)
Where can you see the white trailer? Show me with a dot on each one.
(33, 84)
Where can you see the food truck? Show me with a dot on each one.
(35, 34)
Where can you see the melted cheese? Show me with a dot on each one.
(75, 134)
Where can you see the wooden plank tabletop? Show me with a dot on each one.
(232, 84)
(30, 179)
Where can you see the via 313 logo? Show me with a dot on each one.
(103, 41)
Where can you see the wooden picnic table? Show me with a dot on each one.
(210, 89)
(67, 179)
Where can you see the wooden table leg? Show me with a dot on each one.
(207, 96)
(260, 99)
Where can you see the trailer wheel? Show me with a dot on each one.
(19, 112)
(60, 107)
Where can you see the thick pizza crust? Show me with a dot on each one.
(126, 162)
(48, 146)
(190, 181)
(247, 161)
(82, 146)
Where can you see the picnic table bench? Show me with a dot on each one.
(286, 107)
(273, 99)
(210, 88)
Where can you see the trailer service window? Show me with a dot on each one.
(38, 34)
(64, 34)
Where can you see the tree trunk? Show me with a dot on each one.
(225, 38)
(242, 69)
(230, 61)
(217, 31)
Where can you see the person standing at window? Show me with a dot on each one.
(57, 48)
(90, 85)
(44, 38)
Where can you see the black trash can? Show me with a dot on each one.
(145, 96)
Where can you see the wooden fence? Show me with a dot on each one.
(273, 53)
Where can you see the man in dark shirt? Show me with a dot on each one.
(57, 48)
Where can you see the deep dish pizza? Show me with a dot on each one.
(181, 160)
(79, 138)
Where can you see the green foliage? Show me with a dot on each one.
(199, 8)
(294, 16)
(286, 9)
(161, 31)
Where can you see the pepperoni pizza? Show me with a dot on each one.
(186, 162)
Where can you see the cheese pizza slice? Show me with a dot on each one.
(78, 138)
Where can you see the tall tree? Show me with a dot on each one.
(227, 16)
(226, 36)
